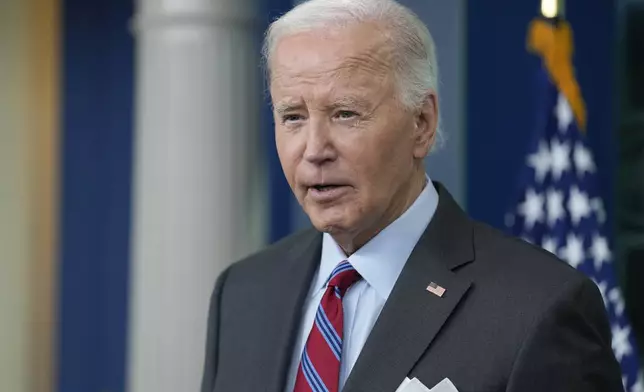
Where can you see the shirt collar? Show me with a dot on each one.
(381, 260)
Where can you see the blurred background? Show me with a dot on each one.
(137, 160)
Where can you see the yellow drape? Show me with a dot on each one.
(554, 44)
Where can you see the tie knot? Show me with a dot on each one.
(342, 277)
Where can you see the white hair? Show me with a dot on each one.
(416, 67)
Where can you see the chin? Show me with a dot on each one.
(330, 220)
(328, 226)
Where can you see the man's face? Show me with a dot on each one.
(347, 146)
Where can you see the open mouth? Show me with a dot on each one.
(323, 188)
(327, 193)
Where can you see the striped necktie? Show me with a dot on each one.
(319, 369)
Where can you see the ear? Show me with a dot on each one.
(426, 125)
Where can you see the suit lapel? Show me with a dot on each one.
(413, 316)
(291, 288)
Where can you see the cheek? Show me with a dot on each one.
(380, 165)
(374, 155)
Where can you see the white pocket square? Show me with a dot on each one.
(414, 385)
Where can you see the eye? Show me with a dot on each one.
(345, 115)
(291, 118)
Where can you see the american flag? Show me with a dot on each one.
(560, 208)
(436, 289)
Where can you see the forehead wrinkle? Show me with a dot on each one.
(369, 61)
(361, 73)
(348, 100)
(374, 57)
(363, 91)
(288, 79)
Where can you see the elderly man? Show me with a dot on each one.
(394, 282)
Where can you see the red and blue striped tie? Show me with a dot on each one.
(319, 369)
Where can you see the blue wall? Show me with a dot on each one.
(95, 212)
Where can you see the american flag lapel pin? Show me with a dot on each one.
(436, 289)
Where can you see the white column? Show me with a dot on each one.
(198, 185)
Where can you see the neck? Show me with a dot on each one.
(352, 241)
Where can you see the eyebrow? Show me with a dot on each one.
(346, 101)
(283, 107)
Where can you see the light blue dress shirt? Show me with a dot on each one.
(379, 262)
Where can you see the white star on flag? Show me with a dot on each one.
(598, 207)
(560, 158)
(615, 297)
(621, 345)
(583, 160)
(532, 208)
(554, 202)
(540, 161)
(599, 250)
(573, 252)
(578, 205)
(563, 113)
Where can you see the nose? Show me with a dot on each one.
(319, 144)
